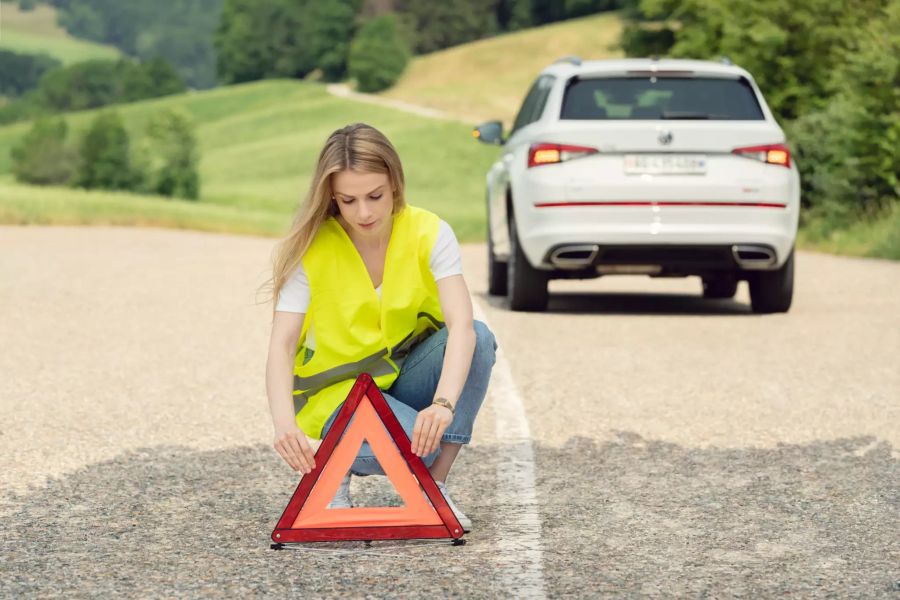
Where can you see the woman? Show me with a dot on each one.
(368, 283)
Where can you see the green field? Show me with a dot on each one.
(259, 144)
(36, 32)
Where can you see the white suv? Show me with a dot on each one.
(665, 167)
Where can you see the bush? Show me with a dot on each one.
(378, 55)
(170, 155)
(104, 157)
(29, 106)
(42, 157)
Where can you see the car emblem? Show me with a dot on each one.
(665, 138)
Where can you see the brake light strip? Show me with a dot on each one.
(661, 203)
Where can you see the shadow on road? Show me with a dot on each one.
(624, 517)
(624, 303)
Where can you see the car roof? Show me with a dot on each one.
(566, 67)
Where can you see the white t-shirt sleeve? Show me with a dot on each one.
(445, 257)
(294, 296)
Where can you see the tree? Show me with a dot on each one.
(331, 30)
(256, 40)
(440, 25)
(178, 31)
(172, 155)
(149, 80)
(96, 83)
(514, 14)
(22, 72)
(378, 55)
(41, 157)
(104, 158)
(789, 47)
(849, 152)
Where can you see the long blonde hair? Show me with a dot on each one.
(357, 146)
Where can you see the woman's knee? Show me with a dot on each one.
(485, 343)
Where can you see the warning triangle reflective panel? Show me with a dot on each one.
(307, 517)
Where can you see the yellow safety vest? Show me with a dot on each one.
(355, 332)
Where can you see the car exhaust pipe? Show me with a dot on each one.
(574, 257)
(749, 256)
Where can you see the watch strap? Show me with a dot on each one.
(441, 401)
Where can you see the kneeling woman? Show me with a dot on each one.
(367, 283)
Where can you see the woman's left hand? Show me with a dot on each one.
(430, 425)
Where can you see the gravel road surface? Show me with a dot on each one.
(679, 447)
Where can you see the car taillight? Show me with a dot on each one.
(774, 154)
(550, 154)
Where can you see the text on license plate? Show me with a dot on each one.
(665, 163)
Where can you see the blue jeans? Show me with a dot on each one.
(414, 389)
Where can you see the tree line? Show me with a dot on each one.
(45, 87)
(227, 41)
(164, 161)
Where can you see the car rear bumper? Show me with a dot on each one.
(693, 236)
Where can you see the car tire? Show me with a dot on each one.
(526, 286)
(721, 286)
(496, 270)
(772, 291)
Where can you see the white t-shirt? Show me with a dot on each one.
(445, 260)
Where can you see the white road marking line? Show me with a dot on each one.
(520, 556)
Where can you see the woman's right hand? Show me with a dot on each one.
(292, 445)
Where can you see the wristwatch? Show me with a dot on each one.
(441, 401)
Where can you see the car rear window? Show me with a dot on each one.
(656, 97)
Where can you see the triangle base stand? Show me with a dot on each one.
(423, 515)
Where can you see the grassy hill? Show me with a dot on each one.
(259, 143)
(488, 79)
(36, 32)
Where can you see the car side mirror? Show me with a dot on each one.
(490, 132)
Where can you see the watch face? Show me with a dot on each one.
(443, 402)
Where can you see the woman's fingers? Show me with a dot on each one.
(295, 452)
(309, 453)
(438, 434)
(299, 454)
(417, 433)
(432, 436)
(284, 450)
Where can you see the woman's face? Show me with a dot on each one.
(365, 201)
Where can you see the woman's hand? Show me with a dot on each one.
(291, 444)
(430, 425)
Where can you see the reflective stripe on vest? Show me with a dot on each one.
(375, 365)
(357, 332)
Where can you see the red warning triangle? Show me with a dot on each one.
(307, 518)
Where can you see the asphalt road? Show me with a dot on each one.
(677, 447)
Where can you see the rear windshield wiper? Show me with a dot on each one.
(685, 115)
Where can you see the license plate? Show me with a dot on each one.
(665, 163)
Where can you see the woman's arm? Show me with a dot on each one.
(456, 304)
(290, 441)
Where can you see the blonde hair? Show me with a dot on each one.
(357, 146)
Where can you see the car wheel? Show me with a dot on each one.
(772, 291)
(722, 286)
(526, 286)
(496, 270)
